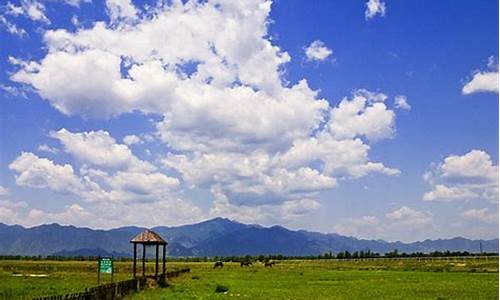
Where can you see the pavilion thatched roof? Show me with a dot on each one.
(148, 237)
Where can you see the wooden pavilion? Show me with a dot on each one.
(149, 238)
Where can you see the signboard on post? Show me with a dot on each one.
(105, 266)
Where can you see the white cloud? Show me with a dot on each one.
(481, 215)
(364, 115)
(475, 164)
(267, 214)
(32, 9)
(100, 149)
(94, 185)
(121, 10)
(132, 140)
(267, 122)
(228, 117)
(373, 8)
(362, 226)
(48, 149)
(468, 176)
(12, 28)
(445, 193)
(36, 11)
(14, 10)
(9, 211)
(409, 216)
(76, 2)
(103, 215)
(43, 173)
(140, 183)
(318, 51)
(270, 176)
(401, 102)
(15, 91)
(483, 81)
(73, 214)
(4, 191)
(402, 222)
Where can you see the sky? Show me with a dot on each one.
(375, 119)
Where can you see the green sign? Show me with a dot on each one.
(106, 265)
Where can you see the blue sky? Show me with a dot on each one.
(377, 119)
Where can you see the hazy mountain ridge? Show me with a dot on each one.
(214, 237)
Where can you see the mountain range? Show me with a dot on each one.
(216, 237)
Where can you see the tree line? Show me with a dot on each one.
(263, 258)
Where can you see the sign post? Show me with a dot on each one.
(105, 266)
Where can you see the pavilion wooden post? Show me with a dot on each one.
(143, 260)
(135, 260)
(164, 252)
(149, 238)
(156, 262)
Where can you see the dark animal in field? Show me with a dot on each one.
(218, 264)
(246, 264)
(269, 264)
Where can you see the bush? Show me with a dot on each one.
(221, 288)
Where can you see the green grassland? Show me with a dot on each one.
(379, 279)
(295, 279)
(18, 281)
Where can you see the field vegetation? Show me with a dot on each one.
(396, 278)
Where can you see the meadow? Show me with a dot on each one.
(464, 278)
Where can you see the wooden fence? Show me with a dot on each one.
(113, 291)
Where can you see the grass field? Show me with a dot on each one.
(314, 279)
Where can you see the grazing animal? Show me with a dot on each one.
(218, 264)
(269, 264)
(246, 264)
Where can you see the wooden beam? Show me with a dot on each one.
(135, 260)
(156, 264)
(164, 258)
(143, 260)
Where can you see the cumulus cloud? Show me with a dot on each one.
(364, 115)
(270, 176)
(401, 102)
(171, 212)
(403, 221)
(373, 8)
(131, 139)
(409, 216)
(100, 149)
(109, 171)
(467, 176)
(317, 51)
(43, 173)
(285, 212)
(10, 211)
(121, 10)
(227, 118)
(483, 81)
(481, 215)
